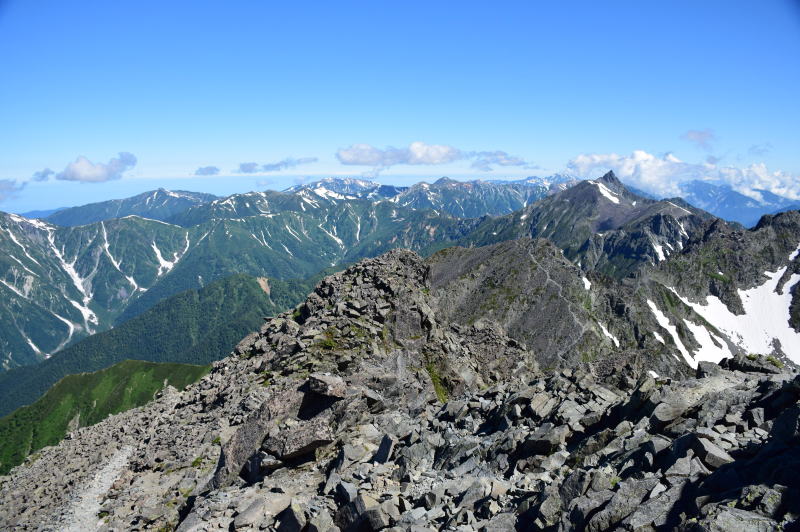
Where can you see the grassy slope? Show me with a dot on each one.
(194, 327)
(92, 397)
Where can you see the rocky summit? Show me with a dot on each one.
(408, 394)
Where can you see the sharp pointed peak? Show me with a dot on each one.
(610, 178)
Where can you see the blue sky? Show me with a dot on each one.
(662, 91)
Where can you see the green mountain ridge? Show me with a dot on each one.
(84, 399)
(196, 326)
(156, 204)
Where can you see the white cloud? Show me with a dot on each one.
(485, 159)
(9, 188)
(760, 149)
(283, 164)
(248, 168)
(416, 153)
(663, 175)
(42, 175)
(86, 171)
(287, 163)
(702, 138)
(420, 153)
(207, 170)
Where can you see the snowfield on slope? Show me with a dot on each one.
(765, 318)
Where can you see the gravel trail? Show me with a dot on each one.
(82, 515)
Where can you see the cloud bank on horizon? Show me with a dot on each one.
(420, 153)
(663, 175)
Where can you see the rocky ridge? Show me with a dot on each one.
(371, 407)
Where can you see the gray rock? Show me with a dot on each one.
(711, 455)
(385, 449)
(252, 516)
(626, 499)
(328, 385)
(292, 519)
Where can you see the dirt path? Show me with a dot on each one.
(82, 515)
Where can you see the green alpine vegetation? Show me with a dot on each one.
(85, 399)
(193, 327)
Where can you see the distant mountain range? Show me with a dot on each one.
(157, 205)
(724, 202)
(84, 269)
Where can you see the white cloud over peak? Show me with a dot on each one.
(420, 153)
(85, 171)
(663, 175)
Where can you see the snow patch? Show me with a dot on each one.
(114, 261)
(78, 281)
(663, 321)
(795, 253)
(164, 266)
(327, 193)
(765, 318)
(659, 252)
(24, 249)
(587, 284)
(712, 348)
(334, 237)
(604, 190)
(13, 289)
(679, 208)
(608, 334)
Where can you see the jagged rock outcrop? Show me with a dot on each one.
(602, 226)
(389, 400)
